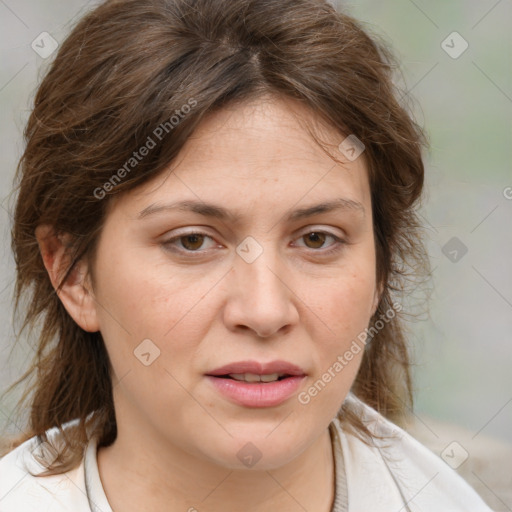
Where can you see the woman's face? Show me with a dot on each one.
(245, 270)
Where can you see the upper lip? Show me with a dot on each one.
(257, 368)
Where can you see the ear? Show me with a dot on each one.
(76, 293)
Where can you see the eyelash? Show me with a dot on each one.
(336, 247)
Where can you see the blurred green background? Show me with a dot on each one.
(463, 349)
(462, 346)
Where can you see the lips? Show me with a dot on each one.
(254, 393)
(257, 368)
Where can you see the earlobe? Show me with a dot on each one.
(75, 293)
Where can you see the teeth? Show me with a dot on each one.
(252, 377)
(269, 378)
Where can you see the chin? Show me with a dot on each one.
(256, 453)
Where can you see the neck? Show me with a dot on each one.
(158, 476)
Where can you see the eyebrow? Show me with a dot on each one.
(221, 213)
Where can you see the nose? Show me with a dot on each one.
(261, 297)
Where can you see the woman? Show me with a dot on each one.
(216, 206)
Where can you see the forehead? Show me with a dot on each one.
(265, 130)
(260, 152)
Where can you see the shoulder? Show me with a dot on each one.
(22, 490)
(395, 459)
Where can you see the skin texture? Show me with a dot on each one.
(178, 438)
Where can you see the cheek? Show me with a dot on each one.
(138, 301)
(138, 295)
(345, 311)
(350, 305)
(347, 301)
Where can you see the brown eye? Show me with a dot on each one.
(315, 238)
(192, 242)
(316, 241)
(189, 243)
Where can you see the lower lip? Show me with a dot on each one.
(267, 394)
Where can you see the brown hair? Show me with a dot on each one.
(127, 68)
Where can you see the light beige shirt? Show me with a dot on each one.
(394, 475)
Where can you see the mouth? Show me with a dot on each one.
(252, 371)
(254, 384)
(254, 378)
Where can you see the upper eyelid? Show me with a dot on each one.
(302, 232)
(205, 229)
